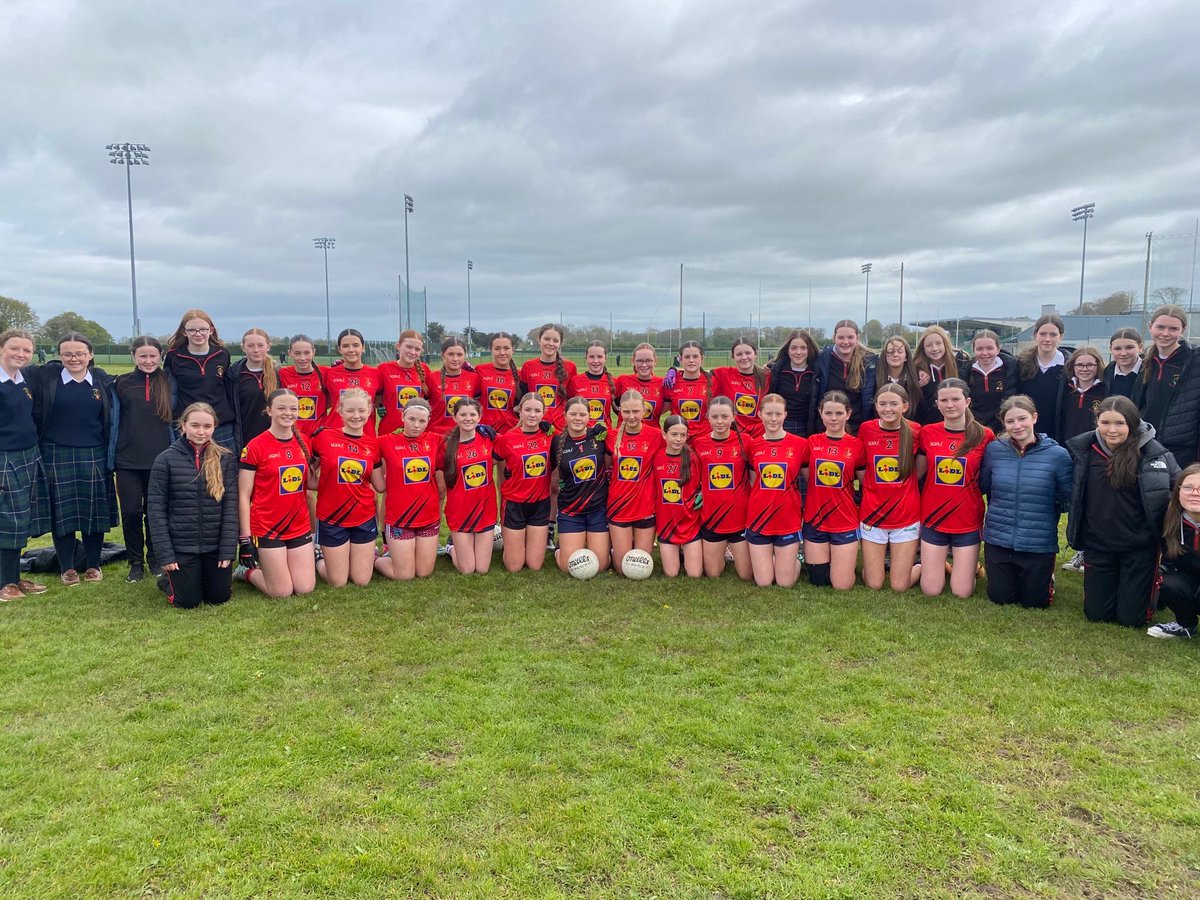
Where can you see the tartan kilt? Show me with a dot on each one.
(24, 498)
(82, 494)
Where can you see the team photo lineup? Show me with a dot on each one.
(921, 465)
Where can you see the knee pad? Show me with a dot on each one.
(818, 574)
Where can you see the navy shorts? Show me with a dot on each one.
(837, 538)
(595, 522)
(329, 535)
(290, 543)
(669, 543)
(941, 539)
(716, 537)
(647, 522)
(779, 540)
(519, 516)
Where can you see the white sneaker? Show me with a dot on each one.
(1076, 563)
(1168, 630)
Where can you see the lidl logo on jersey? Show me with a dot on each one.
(350, 470)
(404, 393)
(647, 410)
(747, 404)
(950, 470)
(629, 468)
(830, 473)
(720, 476)
(291, 479)
(416, 470)
(772, 476)
(690, 410)
(887, 469)
(307, 407)
(534, 464)
(499, 398)
(595, 409)
(474, 475)
(549, 395)
(672, 491)
(452, 401)
(584, 469)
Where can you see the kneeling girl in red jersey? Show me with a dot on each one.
(412, 495)
(721, 456)
(677, 502)
(522, 456)
(466, 472)
(631, 485)
(777, 460)
(890, 511)
(835, 460)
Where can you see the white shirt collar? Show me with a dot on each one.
(996, 364)
(19, 378)
(67, 379)
(1058, 360)
(1137, 367)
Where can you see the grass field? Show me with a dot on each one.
(533, 736)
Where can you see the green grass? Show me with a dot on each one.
(532, 736)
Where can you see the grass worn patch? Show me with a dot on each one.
(532, 736)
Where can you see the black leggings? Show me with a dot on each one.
(1180, 593)
(10, 567)
(64, 547)
(132, 487)
(1117, 587)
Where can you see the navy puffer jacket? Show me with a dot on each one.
(1027, 492)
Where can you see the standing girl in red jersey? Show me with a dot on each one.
(253, 379)
(949, 457)
(351, 374)
(412, 499)
(498, 387)
(272, 509)
(466, 472)
(890, 511)
(577, 457)
(835, 460)
(677, 502)
(721, 457)
(345, 461)
(549, 374)
(991, 379)
(631, 483)
(197, 361)
(522, 457)
(776, 461)
(645, 382)
(689, 388)
(451, 385)
(595, 384)
(402, 379)
(745, 383)
(305, 379)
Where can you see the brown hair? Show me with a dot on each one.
(1069, 368)
(211, 465)
(1126, 334)
(270, 378)
(450, 461)
(411, 335)
(921, 360)
(1167, 309)
(512, 369)
(857, 368)
(760, 374)
(797, 334)
(687, 345)
(612, 385)
(1123, 462)
(1028, 356)
(688, 458)
(179, 338)
(987, 334)
(907, 454)
(1017, 401)
(560, 371)
(1173, 523)
(722, 400)
(973, 433)
(908, 370)
(160, 386)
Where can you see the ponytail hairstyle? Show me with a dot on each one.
(351, 332)
(210, 466)
(612, 385)
(921, 358)
(1173, 523)
(857, 367)
(559, 440)
(722, 400)
(160, 388)
(1028, 357)
(687, 460)
(907, 453)
(450, 460)
(270, 378)
(271, 398)
(525, 398)
(628, 395)
(305, 339)
(449, 342)
(1167, 309)
(973, 433)
(783, 359)
(760, 374)
(560, 371)
(411, 335)
(512, 369)
(686, 345)
(75, 337)
(834, 397)
(179, 338)
(1123, 462)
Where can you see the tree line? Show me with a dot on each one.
(19, 314)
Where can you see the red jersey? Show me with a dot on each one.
(888, 501)
(542, 379)
(499, 393)
(951, 502)
(598, 391)
(471, 500)
(676, 519)
(774, 487)
(338, 379)
(398, 385)
(344, 493)
(526, 459)
(411, 499)
(652, 392)
(832, 463)
(310, 391)
(743, 390)
(689, 399)
(278, 502)
(724, 482)
(631, 488)
(444, 393)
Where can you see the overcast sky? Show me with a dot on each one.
(579, 153)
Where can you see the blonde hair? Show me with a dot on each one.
(210, 466)
(270, 379)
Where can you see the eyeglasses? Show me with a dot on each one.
(82, 355)
(196, 330)
(1080, 365)
(1188, 489)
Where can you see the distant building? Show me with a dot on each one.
(963, 328)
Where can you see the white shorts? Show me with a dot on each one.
(890, 535)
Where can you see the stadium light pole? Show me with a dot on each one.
(408, 207)
(866, 270)
(1083, 213)
(470, 266)
(325, 244)
(128, 155)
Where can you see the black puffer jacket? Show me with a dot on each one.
(183, 517)
(1179, 430)
(1156, 474)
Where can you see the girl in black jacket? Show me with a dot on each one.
(793, 374)
(1180, 589)
(193, 513)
